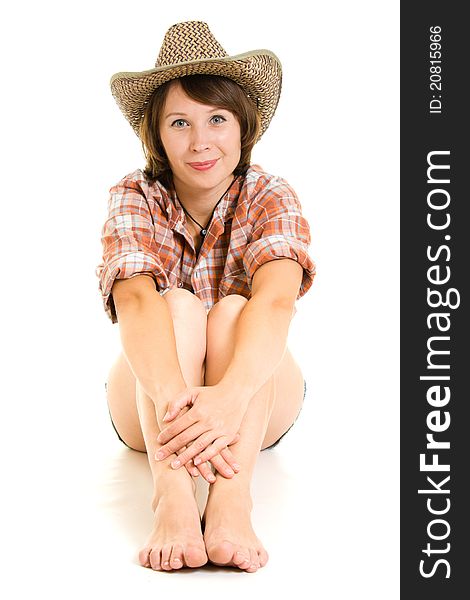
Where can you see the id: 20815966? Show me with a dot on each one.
(435, 69)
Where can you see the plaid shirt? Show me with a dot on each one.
(259, 219)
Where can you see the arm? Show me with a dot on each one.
(279, 267)
(145, 327)
(263, 327)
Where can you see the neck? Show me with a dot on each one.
(200, 204)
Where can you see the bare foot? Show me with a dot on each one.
(176, 540)
(228, 533)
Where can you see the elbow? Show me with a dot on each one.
(280, 305)
(132, 290)
(285, 305)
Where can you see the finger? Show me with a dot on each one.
(183, 439)
(235, 439)
(162, 425)
(181, 423)
(222, 466)
(192, 470)
(214, 449)
(230, 459)
(198, 446)
(183, 399)
(206, 472)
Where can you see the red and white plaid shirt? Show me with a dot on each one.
(259, 219)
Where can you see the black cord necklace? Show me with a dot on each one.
(204, 229)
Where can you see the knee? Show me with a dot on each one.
(183, 304)
(227, 309)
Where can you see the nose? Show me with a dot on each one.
(199, 139)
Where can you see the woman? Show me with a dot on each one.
(205, 380)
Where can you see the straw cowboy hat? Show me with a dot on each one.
(189, 48)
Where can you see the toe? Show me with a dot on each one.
(144, 559)
(263, 557)
(176, 558)
(166, 553)
(241, 558)
(195, 556)
(155, 559)
(254, 565)
(221, 553)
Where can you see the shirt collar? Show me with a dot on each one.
(224, 211)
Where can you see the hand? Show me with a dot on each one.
(211, 423)
(222, 462)
(225, 463)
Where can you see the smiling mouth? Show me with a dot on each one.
(203, 164)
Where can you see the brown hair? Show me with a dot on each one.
(208, 89)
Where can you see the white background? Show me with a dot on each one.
(75, 501)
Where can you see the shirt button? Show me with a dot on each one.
(180, 284)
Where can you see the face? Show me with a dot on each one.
(195, 133)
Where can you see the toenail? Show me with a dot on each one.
(176, 560)
(166, 564)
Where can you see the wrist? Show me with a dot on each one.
(162, 394)
(235, 391)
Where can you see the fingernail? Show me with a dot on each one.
(229, 472)
(212, 478)
(159, 455)
(236, 466)
(175, 464)
(197, 461)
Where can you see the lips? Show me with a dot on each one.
(202, 166)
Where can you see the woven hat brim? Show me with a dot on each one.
(259, 72)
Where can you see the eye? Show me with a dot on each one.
(217, 119)
(179, 123)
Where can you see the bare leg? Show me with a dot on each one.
(228, 535)
(176, 538)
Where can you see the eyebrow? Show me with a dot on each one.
(181, 114)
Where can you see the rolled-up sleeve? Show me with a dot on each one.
(279, 231)
(128, 242)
